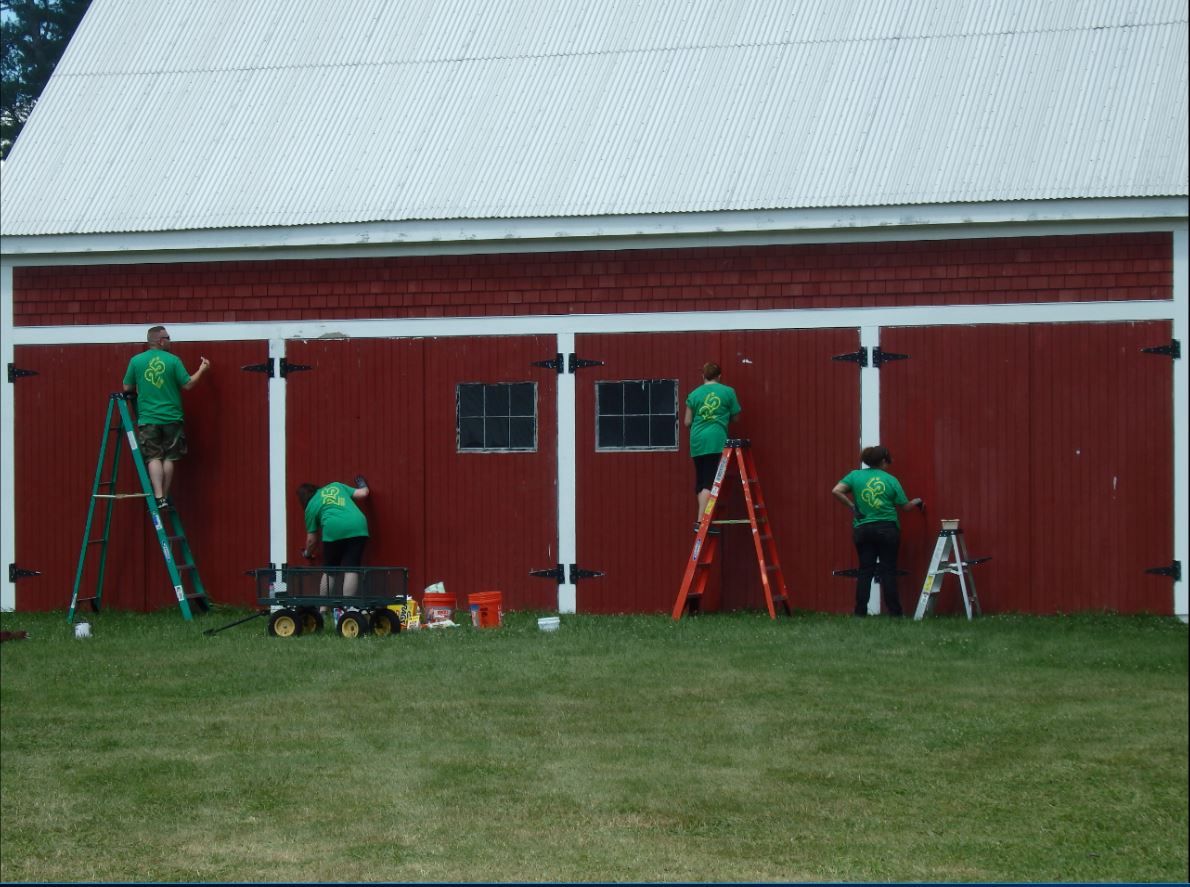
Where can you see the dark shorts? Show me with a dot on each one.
(161, 441)
(704, 471)
(344, 552)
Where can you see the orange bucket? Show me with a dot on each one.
(437, 606)
(486, 611)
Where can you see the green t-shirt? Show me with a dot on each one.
(333, 509)
(713, 404)
(158, 377)
(877, 495)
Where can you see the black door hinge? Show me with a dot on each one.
(575, 362)
(860, 357)
(570, 364)
(1174, 571)
(556, 364)
(266, 367)
(558, 573)
(1173, 350)
(880, 357)
(576, 573)
(287, 367)
(15, 372)
(15, 573)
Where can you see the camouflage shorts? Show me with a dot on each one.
(166, 442)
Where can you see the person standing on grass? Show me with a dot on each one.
(158, 378)
(873, 496)
(332, 511)
(709, 409)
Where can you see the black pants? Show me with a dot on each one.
(877, 545)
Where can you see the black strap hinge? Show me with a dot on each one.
(574, 362)
(1174, 571)
(558, 574)
(1173, 350)
(287, 367)
(556, 365)
(266, 367)
(860, 357)
(15, 573)
(576, 573)
(15, 372)
(881, 357)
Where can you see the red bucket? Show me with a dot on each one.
(486, 611)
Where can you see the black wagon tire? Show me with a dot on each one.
(285, 623)
(385, 622)
(312, 620)
(353, 624)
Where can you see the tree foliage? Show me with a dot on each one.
(33, 36)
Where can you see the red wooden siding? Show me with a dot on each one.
(983, 271)
(637, 509)
(1053, 445)
(386, 408)
(221, 487)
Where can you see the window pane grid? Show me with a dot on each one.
(637, 414)
(496, 417)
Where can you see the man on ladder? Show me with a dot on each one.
(709, 409)
(158, 378)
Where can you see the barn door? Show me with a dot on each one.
(59, 414)
(1053, 445)
(636, 500)
(457, 438)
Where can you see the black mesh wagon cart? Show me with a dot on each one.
(294, 597)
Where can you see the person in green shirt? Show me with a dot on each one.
(709, 409)
(873, 496)
(158, 379)
(331, 511)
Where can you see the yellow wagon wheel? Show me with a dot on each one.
(285, 624)
(353, 624)
(385, 622)
(312, 621)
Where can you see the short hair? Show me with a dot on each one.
(873, 456)
(154, 335)
(711, 371)
(305, 493)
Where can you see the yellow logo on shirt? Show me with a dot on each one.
(710, 406)
(332, 496)
(155, 372)
(873, 493)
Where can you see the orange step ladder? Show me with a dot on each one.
(706, 543)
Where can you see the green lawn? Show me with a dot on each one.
(720, 748)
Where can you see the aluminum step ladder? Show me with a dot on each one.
(950, 556)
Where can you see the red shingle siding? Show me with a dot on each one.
(1075, 268)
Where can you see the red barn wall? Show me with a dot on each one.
(957, 272)
(1014, 428)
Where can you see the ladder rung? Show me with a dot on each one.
(195, 595)
(187, 567)
(172, 539)
(95, 541)
(771, 568)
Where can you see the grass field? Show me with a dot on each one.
(721, 748)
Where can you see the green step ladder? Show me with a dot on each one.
(171, 539)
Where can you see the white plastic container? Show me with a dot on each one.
(82, 630)
(549, 623)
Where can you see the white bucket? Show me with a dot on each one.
(549, 623)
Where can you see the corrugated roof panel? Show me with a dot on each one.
(169, 116)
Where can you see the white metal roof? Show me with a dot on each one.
(227, 114)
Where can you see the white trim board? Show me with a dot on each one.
(578, 324)
(680, 230)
